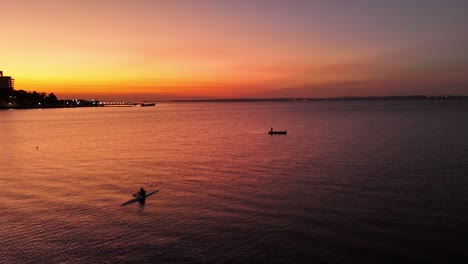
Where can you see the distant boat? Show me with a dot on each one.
(148, 104)
(279, 132)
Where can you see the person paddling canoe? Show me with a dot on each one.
(141, 193)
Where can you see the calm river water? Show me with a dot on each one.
(351, 182)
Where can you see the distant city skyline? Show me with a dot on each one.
(152, 50)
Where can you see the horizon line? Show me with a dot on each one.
(391, 97)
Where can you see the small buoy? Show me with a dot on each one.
(37, 147)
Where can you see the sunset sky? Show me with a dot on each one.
(142, 49)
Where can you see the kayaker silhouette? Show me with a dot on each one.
(141, 193)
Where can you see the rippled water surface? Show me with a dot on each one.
(351, 182)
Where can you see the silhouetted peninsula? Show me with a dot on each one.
(20, 99)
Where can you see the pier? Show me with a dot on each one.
(110, 103)
(129, 104)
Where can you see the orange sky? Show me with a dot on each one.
(172, 49)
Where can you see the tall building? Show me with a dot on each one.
(6, 85)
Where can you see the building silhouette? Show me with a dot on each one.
(6, 85)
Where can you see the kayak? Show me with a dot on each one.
(139, 198)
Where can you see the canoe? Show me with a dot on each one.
(277, 132)
(139, 198)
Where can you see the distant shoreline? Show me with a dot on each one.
(344, 98)
(83, 103)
